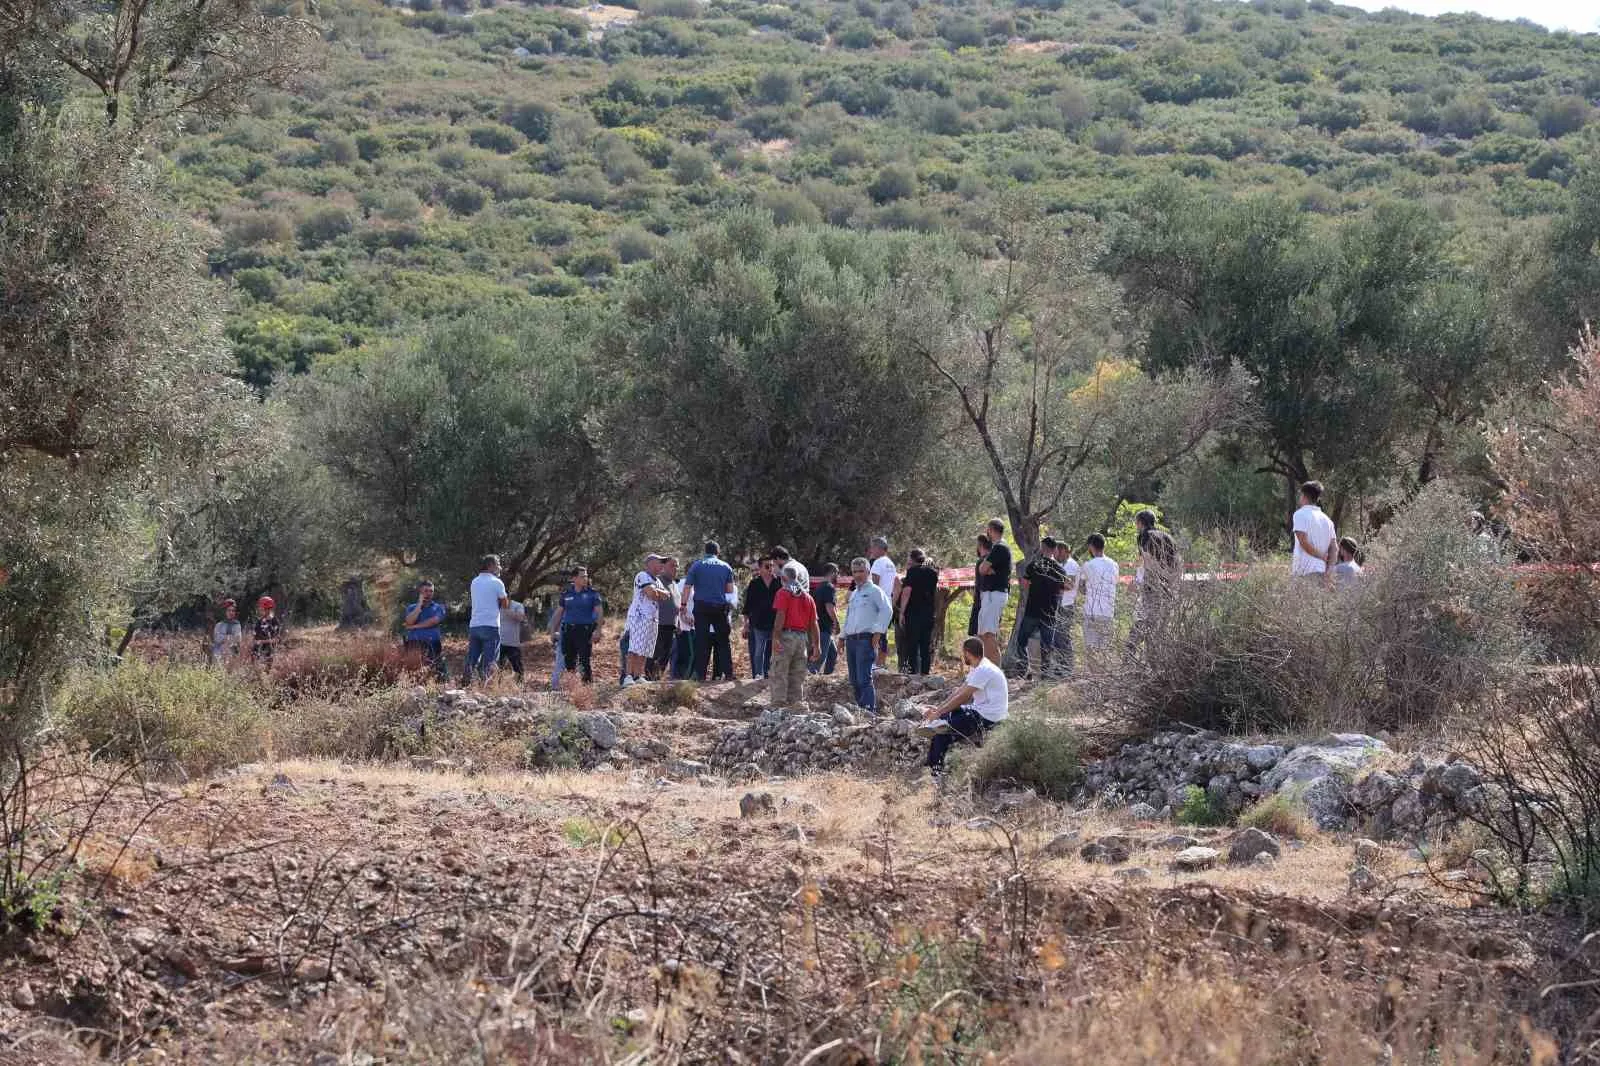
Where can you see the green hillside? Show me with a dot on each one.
(449, 160)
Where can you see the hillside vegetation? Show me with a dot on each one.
(450, 160)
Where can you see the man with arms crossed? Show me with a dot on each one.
(994, 587)
(866, 618)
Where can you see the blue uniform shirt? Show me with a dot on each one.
(433, 612)
(580, 608)
(709, 577)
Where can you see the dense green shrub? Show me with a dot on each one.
(894, 182)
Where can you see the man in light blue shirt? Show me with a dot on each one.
(866, 617)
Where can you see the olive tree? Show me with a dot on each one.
(115, 369)
(476, 436)
(769, 395)
(1029, 347)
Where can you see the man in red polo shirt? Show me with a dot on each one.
(796, 634)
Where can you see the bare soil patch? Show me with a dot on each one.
(310, 911)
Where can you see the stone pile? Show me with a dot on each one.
(1336, 780)
(833, 735)
(793, 742)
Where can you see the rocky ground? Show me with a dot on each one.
(697, 877)
(321, 913)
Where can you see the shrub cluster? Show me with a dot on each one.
(1432, 626)
(1030, 750)
(189, 720)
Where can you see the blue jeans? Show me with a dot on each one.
(860, 653)
(1027, 626)
(829, 658)
(760, 652)
(483, 651)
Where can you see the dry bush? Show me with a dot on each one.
(1279, 814)
(57, 843)
(188, 720)
(366, 724)
(1433, 626)
(1209, 1016)
(1552, 498)
(1538, 749)
(344, 664)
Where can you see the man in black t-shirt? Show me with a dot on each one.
(1043, 580)
(759, 616)
(994, 588)
(823, 591)
(916, 602)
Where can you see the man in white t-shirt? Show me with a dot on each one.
(1069, 607)
(972, 710)
(1097, 594)
(1316, 543)
(488, 594)
(886, 578)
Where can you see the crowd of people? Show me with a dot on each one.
(794, 625)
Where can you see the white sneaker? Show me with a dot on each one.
(932, 728)
(628, 680)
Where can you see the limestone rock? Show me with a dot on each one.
(1062, 844)
(1367, 851)
(1195, 859)
(1249, 843)
(1130, 874)
(843, 718)
(1362, 881)
(1327, 802)
(1264, 756)
(1340, 754)
(22, 996)
(1110, 850)
(1375, 790)
(1143, 812)
(1266, 860)
(600, 730)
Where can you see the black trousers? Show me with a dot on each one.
(510, 653)
(577, 649)
(917, 632)
(663, 655)
(965, 724)
(711, 641)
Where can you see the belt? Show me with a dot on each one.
(859, 636)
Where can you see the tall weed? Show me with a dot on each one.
(192, 720)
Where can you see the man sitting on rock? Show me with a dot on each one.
(971, 711)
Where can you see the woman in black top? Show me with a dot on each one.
(917, 594)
